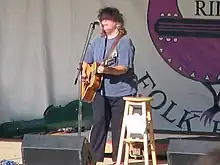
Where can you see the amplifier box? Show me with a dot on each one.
(186, 152)
(56, 150)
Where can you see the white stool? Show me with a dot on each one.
(147, 129)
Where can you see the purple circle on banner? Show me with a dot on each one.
(195, 57)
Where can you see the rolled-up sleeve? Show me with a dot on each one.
(126, 53)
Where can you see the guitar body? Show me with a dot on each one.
(88, 89)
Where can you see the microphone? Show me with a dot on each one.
(96, 23)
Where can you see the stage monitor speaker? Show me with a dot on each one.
(186, 152)
(56, 150)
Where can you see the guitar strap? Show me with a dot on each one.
(114, 44)
(110, 53)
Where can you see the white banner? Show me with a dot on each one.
(177, 58)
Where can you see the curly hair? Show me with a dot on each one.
(112, 13)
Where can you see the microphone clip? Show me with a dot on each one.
(95, 23)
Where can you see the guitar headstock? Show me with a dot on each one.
(164, 20)
(111, 60)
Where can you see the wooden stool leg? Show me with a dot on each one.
(122, 136)
(146, 157)
(127, 149)
(151, 132)
(128, 135)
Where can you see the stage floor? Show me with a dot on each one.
(10, 149)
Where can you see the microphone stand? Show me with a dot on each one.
(88, 38)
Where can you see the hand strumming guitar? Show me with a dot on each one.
(101, 68)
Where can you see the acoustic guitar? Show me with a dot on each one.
(94, 79)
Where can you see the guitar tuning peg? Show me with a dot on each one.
(168, 39)
(175, 39)
(162, 14)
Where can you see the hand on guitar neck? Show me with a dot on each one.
(84, 76)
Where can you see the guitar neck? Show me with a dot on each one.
(181, 27)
